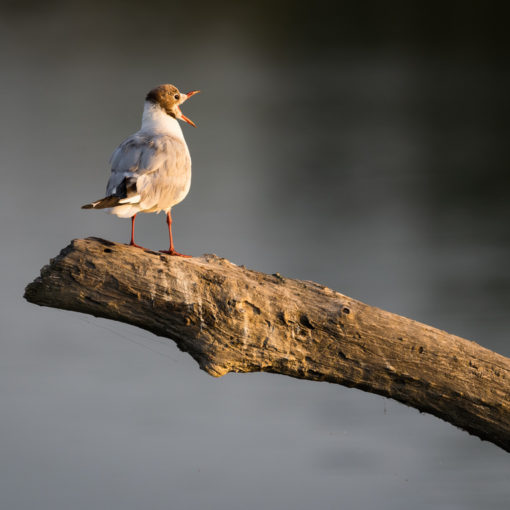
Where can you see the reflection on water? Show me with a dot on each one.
(381, 173)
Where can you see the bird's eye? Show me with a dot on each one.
(176, 96)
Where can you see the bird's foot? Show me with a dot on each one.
(136, 245)
(175, 253)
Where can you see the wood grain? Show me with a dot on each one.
(232, 319)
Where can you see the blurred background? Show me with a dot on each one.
(360, 145)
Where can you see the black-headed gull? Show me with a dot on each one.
(151, 170)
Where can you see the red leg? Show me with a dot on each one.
(132, 242)
(171, 250)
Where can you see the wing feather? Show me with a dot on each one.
(158, 169)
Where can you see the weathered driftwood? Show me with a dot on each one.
(231, 319)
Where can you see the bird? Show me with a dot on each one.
(151, 169)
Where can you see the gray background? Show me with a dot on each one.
(363, 147)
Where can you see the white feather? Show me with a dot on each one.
(156, 120)
(123, 211)
(131, 200)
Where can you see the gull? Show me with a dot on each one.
(151, 170)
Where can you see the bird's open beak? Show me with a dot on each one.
(187, 96)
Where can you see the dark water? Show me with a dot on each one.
(373, 161)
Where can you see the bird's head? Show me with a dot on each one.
(169, 99)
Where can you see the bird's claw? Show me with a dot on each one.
(175, 253)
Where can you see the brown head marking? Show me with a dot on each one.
(166, 96)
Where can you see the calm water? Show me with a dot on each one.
(381, 172)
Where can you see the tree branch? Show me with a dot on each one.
(231, 319)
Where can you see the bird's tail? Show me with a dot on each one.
(103, 203)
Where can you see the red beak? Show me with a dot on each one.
(183, 117)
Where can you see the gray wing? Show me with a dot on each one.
(153, 171)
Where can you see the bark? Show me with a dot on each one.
(232, 319)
